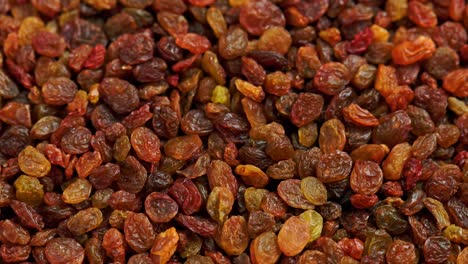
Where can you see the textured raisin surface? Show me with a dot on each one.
(233, 131)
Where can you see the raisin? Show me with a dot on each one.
(29, 190)
(316, 131)
(436, 249)
(258, 16)
(455, 82)
(160, 208)
(260, 222)
(400, 250)
(397, 97)
(165, 121)
(393, 129)
(15, 253)
(120, 95)
(59, 91)
(331, 78)
(76, 140)
(215, 19)
(314, 190)
(174, 24)
(443, 183)
(444, 61)
(422, 15)
(219, 204)
(290, 192)
(220, 174)
(132, 175)
(252, 176)
(234, 237)
(409, 52)
(265, 249)
(64, 250)
(251, 91)
(8, 88)
(146, 144)
(122, 200)
(334, 166)
(360, 41)
(153, 70)
(297, 228)
(33, 163)
(275, 39)
(13, 233)
(201, 226)
(450, 34)
(332, 136)
(193, 42)
(233, 43)
(85, 221)
(113, 243)
(80, 31)
(94, 250)
(164, 246)
(139, 232)
(183, 148)
(359, 116)
(306, 109)
(187, 196)
(77, 192)
(395, 161)
(48, 44)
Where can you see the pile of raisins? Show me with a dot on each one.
(234, 131)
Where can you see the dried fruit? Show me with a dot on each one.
(139, 232)
(455, 82)
(366, 177)
(160, 208)
(183, 148)
(436, 249)
(48, 44)
(331, 78)
(192, 42)
(85, 221)
(29, 190)
(334, 166)
(146, 144)
(187, 196)
(332, 136)
(33, 163)
(275, 39)
(251, 91)
(203, 131)
(64, 250)
(401, 251)
(258, 16)
(315, 222)
(120, 95)
(219, 204)
(252, 176)
(290, 192)
(359, 116)
(314, 190)
(421, 14)
(264, 248)
(164, 246)
(409, 52)
(397, 9)
(233, 237)
(299, 229)
(306, 109)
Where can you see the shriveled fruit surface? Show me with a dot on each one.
(234, 131)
